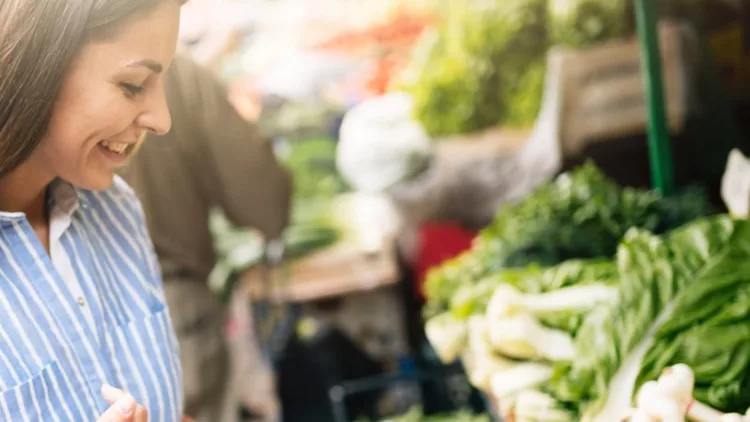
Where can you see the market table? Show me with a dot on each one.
(330, 272)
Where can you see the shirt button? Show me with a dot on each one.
(81, 302)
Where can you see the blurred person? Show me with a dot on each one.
(85, 334)
(212, 157)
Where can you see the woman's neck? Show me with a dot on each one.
(24, 190)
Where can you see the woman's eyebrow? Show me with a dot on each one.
(153, 65)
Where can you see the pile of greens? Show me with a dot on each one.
(478, 68)
(485, 64)
(679, 298)
(692, 289)
(582, 214)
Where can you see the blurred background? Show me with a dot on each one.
(442, 150)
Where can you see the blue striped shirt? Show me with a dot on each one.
(53, 361)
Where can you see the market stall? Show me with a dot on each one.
(587, 338)
(581, 142)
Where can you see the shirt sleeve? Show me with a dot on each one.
(237, 166)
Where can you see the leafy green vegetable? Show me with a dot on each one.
(485, 65)
(571, 273)
(570, 305)
(683, 297)
(582, 215)
(578, 23)
(475, 70)
(558, 297)
(464, 270)
(609, 333)
(472, 298)
(719, 355)
(709, 327)
(686, 270)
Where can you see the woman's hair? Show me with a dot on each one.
(39, 39)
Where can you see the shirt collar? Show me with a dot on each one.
(64, 198)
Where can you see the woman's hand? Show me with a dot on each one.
(123, 409)
(187, 419)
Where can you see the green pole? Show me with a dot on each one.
(662, 172)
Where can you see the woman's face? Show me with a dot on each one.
(112, 95)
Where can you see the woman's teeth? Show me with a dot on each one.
(118, 147)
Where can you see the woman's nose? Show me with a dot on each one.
(155, 118)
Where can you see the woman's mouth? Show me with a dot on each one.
(117, 147)
(116, 151)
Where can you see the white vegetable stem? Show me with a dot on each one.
(659, 405)
(735, 417)
(522, 336)
(619, 400)
(519, 377)
(699, 412)
(480, 360)
(507, 300)
(447, 335)
(515, 330)
(532, 405)
(670, 398)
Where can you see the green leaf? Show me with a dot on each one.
(709, 326)
(696, 282)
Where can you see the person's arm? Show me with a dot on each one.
(236, 164)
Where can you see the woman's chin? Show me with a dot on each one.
(101, 180)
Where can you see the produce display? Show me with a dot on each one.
(583, 302)
(583, 214)
(484, 65)
(576, 341)
(583, 336)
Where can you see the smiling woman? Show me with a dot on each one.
(84, 331)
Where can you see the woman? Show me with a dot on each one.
(84, 331)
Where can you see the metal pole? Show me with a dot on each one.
(662, 171)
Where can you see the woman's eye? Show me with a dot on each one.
(132, 90)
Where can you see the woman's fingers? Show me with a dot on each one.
(123, 404)
(122, 410)
(111, 394)
(141, 414)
